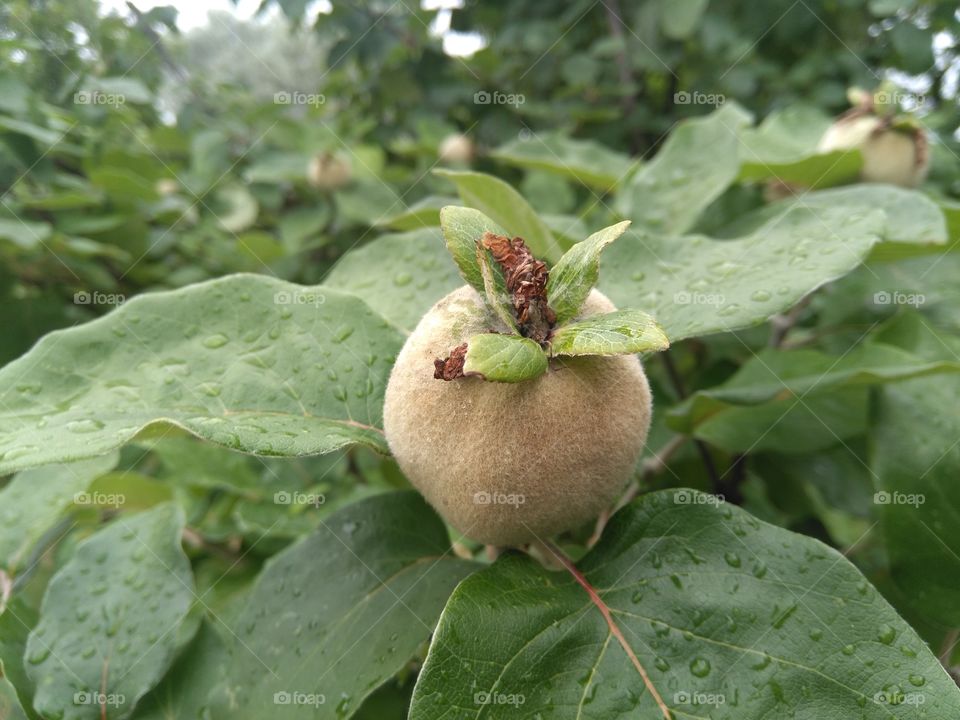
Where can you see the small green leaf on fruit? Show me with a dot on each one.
(504, 358)
(495, 287)
(462, 228)
(577, 271)
(620, 332)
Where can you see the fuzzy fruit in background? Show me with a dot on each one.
(894, 150)
(329, 171)
(456, 149)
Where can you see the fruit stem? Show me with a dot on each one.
(611, 624)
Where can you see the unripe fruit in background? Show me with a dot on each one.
(457, 149)
(166, 186)
(329, 171)
(891, 154)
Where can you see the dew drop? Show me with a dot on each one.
(886, 634)
(700, 667)
(215, 341)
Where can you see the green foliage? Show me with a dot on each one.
(199, 513)
(193, 358)
(112, 618)
(699, 589)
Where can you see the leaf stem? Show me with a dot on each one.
(611, 624)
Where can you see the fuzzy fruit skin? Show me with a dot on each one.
(889, 156)
(565, 443)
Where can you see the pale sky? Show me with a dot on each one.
(193, 14)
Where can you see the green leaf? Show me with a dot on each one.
(186, 690)
(504, 358)
(462, 229)
(572, 278)
(506, 207)
(423, 213)
(586, 161)
(25, 234)
(679, 18)
(784, 148)
(730, 618)
(620, 332)
(816, 170)
(779, 375)
(914, 224)
(111, 618)
(696, 286)
(915, 463)
(400, 276)
(339, 612)
(697, 163)
(17, 619)
(788, 425)
(35, 499)
(248, 362)
(495, 288)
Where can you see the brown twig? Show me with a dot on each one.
(702, 448)
(611, 624)
(783, 323)
(652, 467)
(947, 648)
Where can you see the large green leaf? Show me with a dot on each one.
(335, 615)
(784, 148)
(777, 375)
(400, 276)
(730, 618)
(572, 278)
(422, 214)
(112, 618)
(585, 161)
(696, 286)
(248, 362)
(34, 499)
(914, 223)
(506, 207)
(698, 162)
(504, 358)
(186, 690)
(915, 464)
(462, 230)
(622, 332)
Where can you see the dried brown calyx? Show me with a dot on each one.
(451, 368)
(526, 279)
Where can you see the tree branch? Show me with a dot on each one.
(702, 448)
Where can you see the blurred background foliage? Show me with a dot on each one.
(202, 169)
